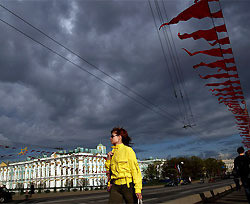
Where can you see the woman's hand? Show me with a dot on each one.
(139, 196)
(109, 187)
(110, 154)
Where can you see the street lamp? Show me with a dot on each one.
(182, 163)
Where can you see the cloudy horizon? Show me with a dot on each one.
(48, 101)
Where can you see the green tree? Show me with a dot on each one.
(151, 172)
(194, 167)
(214, 167)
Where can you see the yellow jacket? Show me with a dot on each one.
(124, 167)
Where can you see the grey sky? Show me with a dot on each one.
(45, 99)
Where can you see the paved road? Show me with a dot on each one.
(150, 195)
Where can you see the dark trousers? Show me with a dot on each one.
(121, 193)
(246, 185)
(237, 183)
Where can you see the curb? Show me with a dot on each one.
(203, 197)
(18, 197)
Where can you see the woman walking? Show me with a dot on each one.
(125, 182)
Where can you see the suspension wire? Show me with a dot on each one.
(12, 144)
(85, 70)
(179, 70)
(176, 66)
(165, 58)
(89, 63)
(173, 61)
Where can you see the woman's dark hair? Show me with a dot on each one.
(126, 140)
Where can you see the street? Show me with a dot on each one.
(150, 195)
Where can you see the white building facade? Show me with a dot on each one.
(229, 165)
(79, 168)
(143, 165)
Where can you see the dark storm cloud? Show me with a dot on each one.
(46, 99)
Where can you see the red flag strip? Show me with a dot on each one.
(199, 10)
(243, 126)
(231, 104)
(195, 1)
(222, 41)
(243, 129)
(247, 129)
(218, 63)
(246, 136)
(239, 111)
(219, 76)
(217, 52)
(229, 98)
(238, 107)
(226, 83)
(244, 123)
(231, 88)
(208, 35)
(242, 118)
(232, 69)
(232, 93)
(245, 132)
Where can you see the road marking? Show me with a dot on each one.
(72, 199)
(146, 200)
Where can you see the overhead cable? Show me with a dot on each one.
(89, 63)
(85, 70)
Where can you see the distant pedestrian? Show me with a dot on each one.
(26, 195)
(241, 165)
(126, 181)
(32, 189)
(236, 180)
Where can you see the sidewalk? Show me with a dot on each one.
(233, 198)
(52, 194)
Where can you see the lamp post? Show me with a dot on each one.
(182, 163)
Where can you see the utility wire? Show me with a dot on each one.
(89, 63)
(11, 143)
(81, 68)
(178, 65)
(165, 57)
(172, 59)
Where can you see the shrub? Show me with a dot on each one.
(74, 189)
(47, 191)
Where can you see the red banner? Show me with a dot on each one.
(226, 83)
(222, 41)
(208, 35)
(231, 88)
(219, 76)
(199, 10)
(216, 52)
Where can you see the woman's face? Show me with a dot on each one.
(115, 139)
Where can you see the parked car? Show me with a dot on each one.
(5, 195)
(171, 183)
